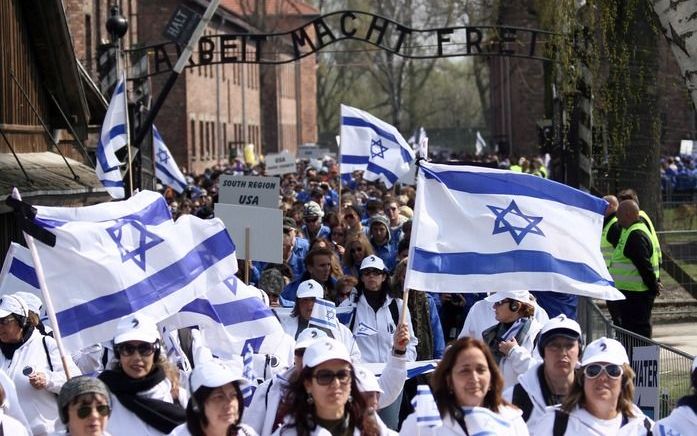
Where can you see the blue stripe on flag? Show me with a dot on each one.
(255, 343)
(377, 169)
(161, 168)
(234, 312)
(427, 418)
(353, 159)
(120, 87)
(518, 261)
(101, 158)
(512, 184)
(418, 370)
(153, 214)
(361, 122)
(24, 272)
(112, 183)
(117, 130)
(139, 295)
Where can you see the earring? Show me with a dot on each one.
(310, 400)
(350, 398)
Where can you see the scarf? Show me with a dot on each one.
(8, 350)
(159, 414)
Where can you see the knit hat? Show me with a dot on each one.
(77, 386)
(380, 219)
(312, 209)
(271, 281)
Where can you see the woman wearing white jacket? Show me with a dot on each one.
(467, 389)
(512, 340)
(33, 363)
(601, 403)
(682, 421)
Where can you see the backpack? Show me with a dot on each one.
(522, 400)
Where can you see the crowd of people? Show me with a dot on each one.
(510, 363)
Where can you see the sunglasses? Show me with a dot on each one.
(502, 302)
(144, 349)
(85, 411)
(311, 219)
(7, 320)
(325, 377)
(594, 369)
(350, 216)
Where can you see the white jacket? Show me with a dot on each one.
(39, 406)
(288, 429)
(11, 406)
(11, 426)
(392, 380)
(682, 421)
(377, 348)
(182, 430)
(261, 413)
(481, 316)
(531, 384)
(290, 326)
(582, 423)
(124, 422)
(478, 420)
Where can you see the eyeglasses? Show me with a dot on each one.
(144, 349)
(85, 411)
(325, 377)
(502, 302)
(594, 369)
(7, 320)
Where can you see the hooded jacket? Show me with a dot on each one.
(582, 423)
(682, 421)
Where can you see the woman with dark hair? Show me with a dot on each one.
(467, 388)
(683, 419)
(216, 404)
(325, 399)
(142, 383)
(602, 400)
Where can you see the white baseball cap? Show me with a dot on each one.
(522, 296)
(605, 350)
(136, 327)
(366, 380)
(215, 373)
(323, 350)
(310, 289)
(10, 304)
(560, 325)
(373, 261)
(308, 336)
(33, 302)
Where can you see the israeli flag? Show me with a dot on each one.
(365, 330)
(427, 414)
(373, 146)
(166, 169)
(233, 307)
(113, 137)
(482, 421)
(480, 230)
(249, 374)
(480, 145)
(115, 259)
(324, 315)
(18, 272)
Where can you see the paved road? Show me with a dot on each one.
(682, 336)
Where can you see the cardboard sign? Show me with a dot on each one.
(307, 152)
(266, 231)
(687, 147)
(255, 191)
(645, 361)
(280, 163)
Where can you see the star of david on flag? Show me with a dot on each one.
(166, 169)
(113, 137)
(481, 230)
(115, 259)
(373, 146)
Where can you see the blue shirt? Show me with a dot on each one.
(296, 261)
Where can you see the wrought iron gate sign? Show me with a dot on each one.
(384, 33)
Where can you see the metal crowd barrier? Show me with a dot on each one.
(674, 366)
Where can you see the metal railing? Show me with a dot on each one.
(674, 366)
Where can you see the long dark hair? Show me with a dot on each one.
(295, 404)
(440, 382)
(196, 419)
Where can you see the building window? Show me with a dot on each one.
(201, 138)
(192, 146)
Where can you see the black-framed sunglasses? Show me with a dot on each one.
(325, 377)
(85, 411)
(595, 369)
(7, 320)
(144, 349)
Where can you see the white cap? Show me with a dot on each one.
(522, 296)
(308, 336)
(367, 382)
(373, 261)
(10, 304)
(558, 326)
(310, 289)
(323, 350)
(215, 373)
(33, 302)
(605, 350)
(136, 327)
